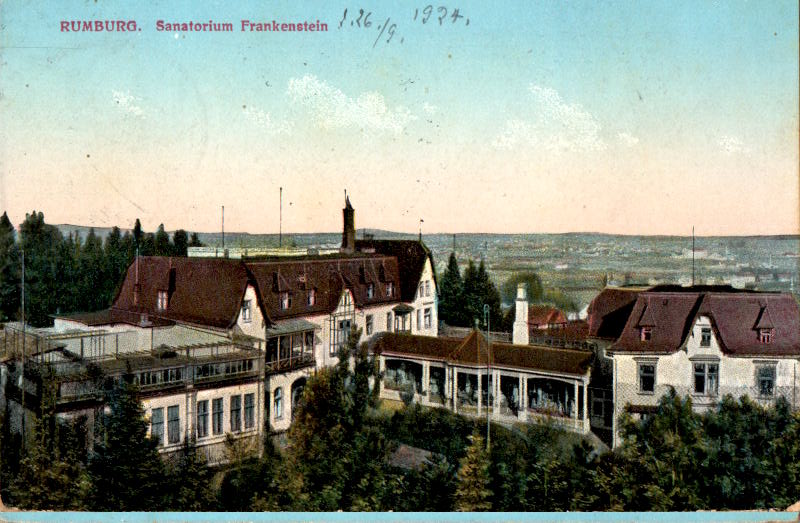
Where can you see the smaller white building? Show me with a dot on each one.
(706, 344)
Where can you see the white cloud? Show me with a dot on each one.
(557, 125)
(333, 109)
(264, 120)
(732, 145)
(627, 139)
(125, 101)
(429, 109)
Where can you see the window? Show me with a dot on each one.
(370, 291)
(646, 333)
(286, 301)
(246, 314)
(369, 324)
(236, 413)
(706, 378)
(157, 425)
(428, 318)
(311, 297)
(765, 336)
(419, 319)
(647, 377)
(163, 300)
(216, 415)
(249, 411)
(705, 337)
(427, 287)
(389, 289)
(421, 290)
(342, 334)
(389, 321)
(202, 419)
(278, 403)
(765, 380)
(173, 424)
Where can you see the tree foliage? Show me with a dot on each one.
(126, 470)
(472, 494)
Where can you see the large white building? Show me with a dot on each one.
(295, 313)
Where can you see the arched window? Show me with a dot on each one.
(278, 403)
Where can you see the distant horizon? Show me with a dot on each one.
(424, 233)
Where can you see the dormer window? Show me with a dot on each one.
(370, 291)
(286, 301)
(646, 333)
(705, 337)
(765, 335)
(246, 311)
(162, 301)
(389, 289)
(311, 297)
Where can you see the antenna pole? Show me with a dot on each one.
(223, 229)
(692, 255)
(24, 336)
(280, 217)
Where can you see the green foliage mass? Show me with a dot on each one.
(71, 274)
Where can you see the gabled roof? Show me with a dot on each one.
(205, 291)
(545, 315)
(473, 351)
(410, 255)
(735, 317)
(329, 277)
(609, 311)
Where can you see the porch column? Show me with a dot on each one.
(454, 383)
(585, 406)
(523, 397)
(382, 369)
(496, 393)
(480, 390)
(574, 412)
(426, 380)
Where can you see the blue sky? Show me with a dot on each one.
(630, 117)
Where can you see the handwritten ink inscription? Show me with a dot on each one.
(387, 29)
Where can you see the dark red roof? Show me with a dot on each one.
(205, 291)
(328, 277)
(545, 315)
(411, 256)
(609, 311)
(473, 350)
(209, 291)
(735, 317)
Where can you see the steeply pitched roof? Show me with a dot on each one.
(545, 315)
(410, 255)
(328, 277)
(473, 350)
(735, 317)
(205, 291)
(609, 311)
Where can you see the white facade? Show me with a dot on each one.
(701, 370)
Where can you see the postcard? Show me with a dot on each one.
(567, 234)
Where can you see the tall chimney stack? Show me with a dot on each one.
(349, 231)
(520, 334)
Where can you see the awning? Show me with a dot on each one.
(403, 309)
(291, 326)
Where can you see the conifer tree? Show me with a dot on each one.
(472, 493)
(9, 271)
(126, 470)
(50, 476)
(451, 294)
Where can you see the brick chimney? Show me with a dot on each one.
(349, 232)
(520, 335)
